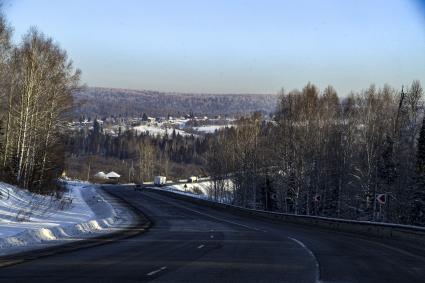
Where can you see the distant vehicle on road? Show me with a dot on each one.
(160, 180)
(192, 179)
(138, 187)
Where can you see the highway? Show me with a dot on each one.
(193, 243)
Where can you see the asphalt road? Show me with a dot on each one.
(191, 243)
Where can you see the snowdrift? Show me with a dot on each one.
(31, 221)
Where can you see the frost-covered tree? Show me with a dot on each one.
(38, 97)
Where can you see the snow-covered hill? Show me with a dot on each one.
(106, 101)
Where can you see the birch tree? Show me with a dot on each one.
(39, 97)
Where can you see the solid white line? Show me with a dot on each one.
(201, 246)
(210, 216)
(312, 255)
(10, 262)
(156, 271)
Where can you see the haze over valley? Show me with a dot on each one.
(212, 141)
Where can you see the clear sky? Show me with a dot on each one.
(233, 46)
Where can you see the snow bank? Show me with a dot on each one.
(201, 190)
(31, 221)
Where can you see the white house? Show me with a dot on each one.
(160, 180)
(101, 175)
(112, 175)
(192, 179)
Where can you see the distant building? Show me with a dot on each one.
(113, 176)
(101, 175)
(160, 180)
(192, 179)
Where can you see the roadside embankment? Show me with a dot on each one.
(29, 221)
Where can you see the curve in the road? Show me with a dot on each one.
(140, 225)
(194, 243)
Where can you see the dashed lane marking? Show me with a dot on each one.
(156, 271)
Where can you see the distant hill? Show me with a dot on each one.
(94, 101)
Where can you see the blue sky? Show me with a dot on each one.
(233, 46)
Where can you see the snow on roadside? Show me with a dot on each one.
(201, 190)
(31, 221)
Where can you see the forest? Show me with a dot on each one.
(36, 84)
(320, 154)
(142, 155)
(95, 101)
(327, 156)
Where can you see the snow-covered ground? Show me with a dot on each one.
(178, 125)
(202, 189)
(211, 128)
(155, 130)
(31, 221)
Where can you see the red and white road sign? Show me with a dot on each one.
(381, 198)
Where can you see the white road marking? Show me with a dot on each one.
(312, 255)
(210, 216)
(156, 271)
(201, 246)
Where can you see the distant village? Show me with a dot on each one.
(156, 126)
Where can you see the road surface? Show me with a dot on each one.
(192, 243)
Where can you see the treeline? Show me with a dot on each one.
(103, 102)
(35, 95)
(322, 155)
(148, 155)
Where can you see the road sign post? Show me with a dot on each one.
(381, 198)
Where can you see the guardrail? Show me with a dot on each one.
(376, 229)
